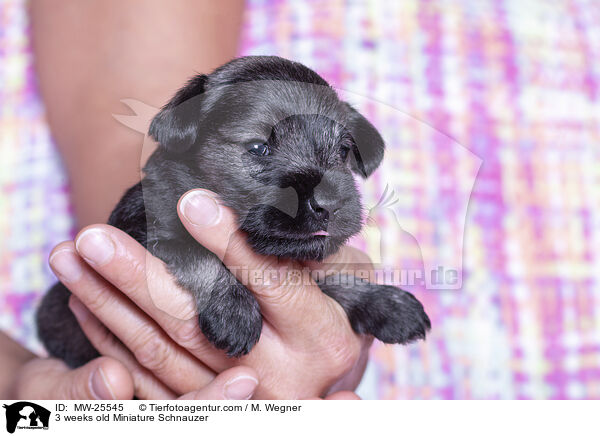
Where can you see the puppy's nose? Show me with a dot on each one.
(321, 207)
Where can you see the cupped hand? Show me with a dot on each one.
(137, 314)
(106, 378)
(130, 363)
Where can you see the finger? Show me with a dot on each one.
(146, 385)
(126, 264)
(237, 383)
(103, 378)
(145, 281)
(352, 378)
(343, 395)
(151, 347)
(284, 292)
(348, 260)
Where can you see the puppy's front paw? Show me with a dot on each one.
(232, 320)
(393, 316)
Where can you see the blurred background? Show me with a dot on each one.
(491, 113)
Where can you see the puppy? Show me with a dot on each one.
(279, 147)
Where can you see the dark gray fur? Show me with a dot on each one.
(305, 185)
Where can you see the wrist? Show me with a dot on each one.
(12, 358)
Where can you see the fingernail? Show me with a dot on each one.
(79, 310)
(65, 264)
(95, 246)
(100, 387)
(200, 209)
(240, 388)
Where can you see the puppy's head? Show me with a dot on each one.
(272, 138)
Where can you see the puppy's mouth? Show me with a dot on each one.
(310, 246)
(303, 236)
(270, 234)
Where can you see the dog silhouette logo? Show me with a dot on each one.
(26, 415)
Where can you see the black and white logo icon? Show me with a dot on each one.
(26, 415)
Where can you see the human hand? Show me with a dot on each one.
(125, 372)
(307, 347)
(103, 378)
(106, 378)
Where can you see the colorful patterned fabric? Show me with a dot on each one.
(34, 203)
(491, 113)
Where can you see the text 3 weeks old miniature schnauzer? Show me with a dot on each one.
(274, 141)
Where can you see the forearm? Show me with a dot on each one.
(90, 55)
(12, 357)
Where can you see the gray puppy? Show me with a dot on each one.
(274, 141)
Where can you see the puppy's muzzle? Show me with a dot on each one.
(321, 207)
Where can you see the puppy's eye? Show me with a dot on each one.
(344, 152)
(259, 148)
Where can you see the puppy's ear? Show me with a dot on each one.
(176, 126)
(368, 144)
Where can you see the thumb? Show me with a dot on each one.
(283, 288)
(103, 378)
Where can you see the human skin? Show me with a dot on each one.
(106, 378)
(26, 376)
(145, 326)
(39, 378)
(307, 347)
(89, 56)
